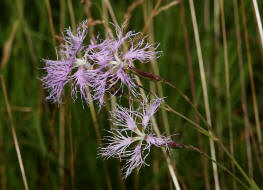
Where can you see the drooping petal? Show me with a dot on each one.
(56, 78)
(74, 42)
(121, 37)
(143, 52)
(149, 110)
(59, 72)
(124, 118)
(136, 160)
(80, 84)
(116, 145)
(99, 84)
(161, 141)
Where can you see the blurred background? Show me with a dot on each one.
(58, 144)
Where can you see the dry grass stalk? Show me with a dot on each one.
(155, 127)
(251, 79)
(243, 90)
(205, 93)
(8, 45)
(71, 14)
(2, 164)
(153, 88)
(131, 8)
(155, 68)
(97, 130)
(12, 125)
(207, 14)
(259, 23)
(113, 17)
(71, 155)
(61, 150)
(228, 96)
(192, 84)
(28, 37)
(51, 24)
(18, 109)
(166, 7)
(62, 15)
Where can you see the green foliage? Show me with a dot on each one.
(37, 121)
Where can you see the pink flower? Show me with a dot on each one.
(71, 65)
(132, 136)
(112, 61)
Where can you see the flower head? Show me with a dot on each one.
(113, 57)
(132, 136)
(71, 65)
(102, 65)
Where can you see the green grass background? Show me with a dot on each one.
(37, 128)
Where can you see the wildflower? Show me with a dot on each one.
(72, 64)
(132, 136)
(113, 61)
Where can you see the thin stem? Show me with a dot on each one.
(2, 165)
(97, 130)
(61, 15)
(71, 156)
(51, 24)
(253, 185)
(12, 125)
(61, 154)
(192, 83)
(28, 37)
(94, 117)
(7, 50)
(259, 23)
(207, 14)
(204, 87)
(196, 125)
(228, 96)
(159, 86)
(251, 79)
(158, 78)
(193, 148)
(113, 17)
(72, 17)
(155, 127)
(211, 136)
(154, 10)
(243, 90)
(156, 130)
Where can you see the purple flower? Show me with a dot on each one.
(112, 59)
(72, 64)
(74, 42)
(132, 136)
(56, 78)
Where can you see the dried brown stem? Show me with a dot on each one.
(205, 91)
(228, 96)
(192, 84)
(8, 45)
(243, 90)
(51, 24)
(251, 79)
(12, 125)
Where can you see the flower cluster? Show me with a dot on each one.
(132, 137)
(105, 66)
(102, 65)
(71, 65)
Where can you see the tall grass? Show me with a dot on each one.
(213, 57)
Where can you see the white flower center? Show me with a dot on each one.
(117, 60)
(114, 62)
(81, 62)
(140, 135)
